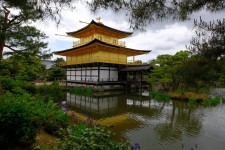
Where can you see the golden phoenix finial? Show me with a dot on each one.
(98, 19)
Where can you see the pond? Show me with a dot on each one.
(155, 125)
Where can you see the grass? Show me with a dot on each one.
(192, 101)
(211, 102)
(159, 96)
(187, 95)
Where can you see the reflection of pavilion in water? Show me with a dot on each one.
(125, 113)
(94, 104)
(99, 106)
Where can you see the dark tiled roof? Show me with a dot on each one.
(137, 68)
(48, 63)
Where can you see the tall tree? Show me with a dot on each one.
(142, 12)
(166, 69)
(206, 66)
(17, 36)
(46, 9)
(210, 39)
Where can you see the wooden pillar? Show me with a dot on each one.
(141, 81)
(90, 73)
(81, 72)
(98, 73)
(85, 73)
(109, 72)
(75, 73)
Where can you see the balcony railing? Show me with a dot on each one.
(97, 59)
(106, 40)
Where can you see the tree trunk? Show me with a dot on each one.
(3, 32)
(1, 50)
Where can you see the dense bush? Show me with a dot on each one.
(82, 137)
(223, 100)
(192, 101)
(56, 73)
(211, 102)
(8, 84)
(22, 116)
(53, 92)
(19, 123)
(55, 118)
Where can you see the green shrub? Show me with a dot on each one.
(80, 91)
(82, 137)
(192, 101)
(55, 118)
(1, 90)
(8, 84)
(22, 116)
(17, 119)
(223, 100)
(53, 92)
(159, 96)
(211, 102)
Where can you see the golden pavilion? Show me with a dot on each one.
(98, 56)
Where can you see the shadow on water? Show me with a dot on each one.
(159, 125)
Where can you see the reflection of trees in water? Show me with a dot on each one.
(182, 120)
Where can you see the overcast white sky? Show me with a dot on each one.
(167, 37)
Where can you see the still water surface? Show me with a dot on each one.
(156, 125)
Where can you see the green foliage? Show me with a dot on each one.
(82, 137)
(43, 10)
(53, 92)
(144, 12)
(223, 100)
(192, 101)
(211, 102)
(19, 123)
(56, 73)
(159, 96)
(23, 67)
(20, 38)
(80, 91)
(46, 92)
(22, 116)
(53, 117)
(10, 84)
(166, 70)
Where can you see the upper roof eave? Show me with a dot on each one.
(101, 42)
(99, 24)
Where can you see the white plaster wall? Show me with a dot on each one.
(68, 78)
(113, 68)
(114, 75)
(95, 72)
(104, 75)
(72, 78)
(88, 72)
(78, 78)
(72, 72)
(104, 68)
(83, 71)
(78, 72)
(94, 78)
